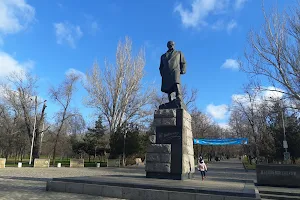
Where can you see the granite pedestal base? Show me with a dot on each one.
(172, 154)
(162, 175)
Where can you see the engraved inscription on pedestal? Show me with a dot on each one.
(168, 137)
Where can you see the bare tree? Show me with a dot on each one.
(76, 124)
(201, 124)
(18, 94)
(62, 95)
(117, 91)
(246, 107)
(274, 53)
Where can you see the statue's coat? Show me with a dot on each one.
(172, 64)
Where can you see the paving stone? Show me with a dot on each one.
(181, 196)
(112, 191)
(154, 195)
(92, 189)
(74, 188)
(131, 193)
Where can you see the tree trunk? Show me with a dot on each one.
(54, 150)
(36, 146)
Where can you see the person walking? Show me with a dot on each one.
(202, 168)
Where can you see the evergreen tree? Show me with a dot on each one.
(134, 144)
(93, 139)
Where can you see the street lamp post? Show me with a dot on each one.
(286, 155)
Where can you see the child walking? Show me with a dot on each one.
(202, 168)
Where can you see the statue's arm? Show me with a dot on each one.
(161, 65)
(182, 64)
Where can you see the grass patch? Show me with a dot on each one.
(64, 163)
(247, 164)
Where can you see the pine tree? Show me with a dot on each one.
(93, 139)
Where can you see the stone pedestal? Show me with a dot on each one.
(2, 162)
(278, 175)
(172, 157)
(77, 163)
(41, 163)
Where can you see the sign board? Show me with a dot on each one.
(76, 162)
(286, 155)
(41, 163)
(220, 141)
(285, 145)
(2, 162)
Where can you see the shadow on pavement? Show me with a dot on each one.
(26, 178)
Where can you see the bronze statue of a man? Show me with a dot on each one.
(172, 64)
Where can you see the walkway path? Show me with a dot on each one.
(30, 183)
(228, 170)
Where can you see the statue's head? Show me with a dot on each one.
(171, 45)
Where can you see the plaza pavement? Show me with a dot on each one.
(30, 183)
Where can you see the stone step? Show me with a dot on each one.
(279, 197)
(147, 189)
(279, 191)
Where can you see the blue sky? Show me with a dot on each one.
(51, 37)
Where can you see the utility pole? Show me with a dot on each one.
(33, 132)
(124, 145)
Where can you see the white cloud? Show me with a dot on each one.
(224, 125)
(67, 33)
(230, 64)
(239, 4)
(231, 25)
(217, 112)
(9, 65)
(15, 15)
(201, 9)
(76, 72)
(262, 96)
(91, 25)
(94, 26)
(218, 25)
(273, 93)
